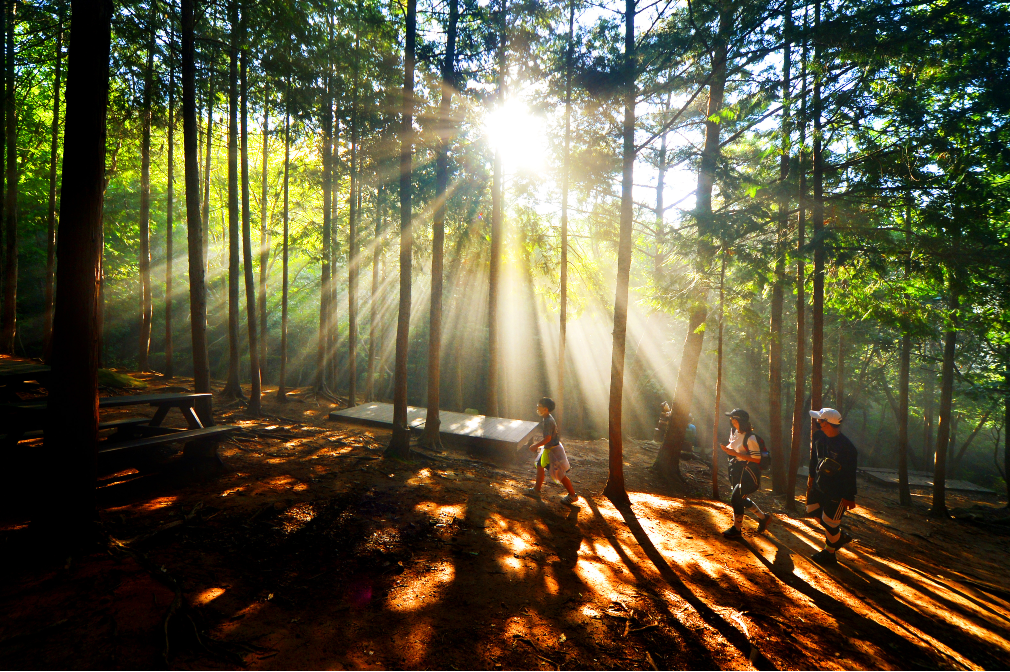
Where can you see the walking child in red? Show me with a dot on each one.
(552, 456)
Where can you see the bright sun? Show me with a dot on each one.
(520, 136)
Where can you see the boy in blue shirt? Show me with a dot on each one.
(552, 456)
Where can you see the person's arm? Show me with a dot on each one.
(538, 444)
(742, 452)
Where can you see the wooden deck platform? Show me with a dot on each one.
(479, 430)
(922, 479)
(916, 479)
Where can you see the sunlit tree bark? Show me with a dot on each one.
(433, 423)
(282, 391)
(323, 342)
(943, 436)
(668, 458)
(817, 221)
(799, 423)
(565, 179)
(904, 496)
(778, 287)
(232, 387)
(146, 303)
(497, 195)
(264, 237)
(399, 445)
(250, 287)
(170, 203)
(615, 489)
(352, 232)
(194, 220)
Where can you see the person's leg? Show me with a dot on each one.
(565, 481)
(749, 484)
(540, 478)
(736, 501)
(832, 522)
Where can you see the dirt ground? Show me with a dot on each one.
(313, 551)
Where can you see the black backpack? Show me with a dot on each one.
(766, 457)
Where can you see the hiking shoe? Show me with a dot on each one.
(846, 538)
(763, 523)
(569, 499)
(825, 558)
(532, 493)
(733, 533)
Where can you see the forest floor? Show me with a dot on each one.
(314, 551)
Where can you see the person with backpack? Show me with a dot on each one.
(831, 484)
(745, 452)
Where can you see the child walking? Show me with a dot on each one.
(552, 457)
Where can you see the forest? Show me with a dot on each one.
(467, 205)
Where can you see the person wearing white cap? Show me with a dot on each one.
(831, 485)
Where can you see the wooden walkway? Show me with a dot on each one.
(479, 430)
(922, 479)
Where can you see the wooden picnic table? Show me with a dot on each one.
(18, 376)
(26, 418)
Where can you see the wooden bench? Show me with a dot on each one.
(123, 427)
(170, 436)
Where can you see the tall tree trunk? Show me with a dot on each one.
(497, 195)
(250, 286)
(352, 237)
(615, 490)
(8, 318)
(433, 422)
(72, 418)
(232, 387)
(1006, 424)
(264, 238)
(778, 288)
(939, 507)
(372, 305)
(565, 179)
(928, 414)
(170, 201)
(717, 415)
(47, 330)
(282, 392)
(207, 169)
(668, 457)
(323, 342)
(904, 496)
(799, 422)
(399, 444)
(146, 300)
(817, 219)
(194, 221)
(334, 341)
(661, 168)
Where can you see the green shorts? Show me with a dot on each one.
(545, 458)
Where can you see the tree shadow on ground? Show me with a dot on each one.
(713, 619)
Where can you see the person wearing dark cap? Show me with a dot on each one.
(552, 457)
(744, 473)
(831, 485)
